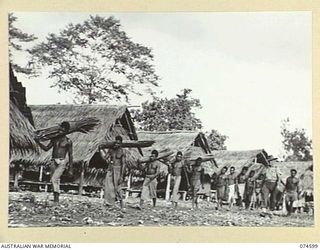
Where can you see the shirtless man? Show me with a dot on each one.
(149, 186)
(222, 186)
(115, 173)
(292, 189)
(177, 167)
(241, 182)
(197, 174)
(62, 146)
(232, 181)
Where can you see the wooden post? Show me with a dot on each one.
(16, 177)
(81, 179)
(41, 173)
(168, 187)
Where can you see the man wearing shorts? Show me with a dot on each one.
(232, 181)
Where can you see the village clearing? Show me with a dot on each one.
(36, 209)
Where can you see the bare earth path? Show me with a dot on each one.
(31, 209)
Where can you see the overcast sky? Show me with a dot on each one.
(249, 70)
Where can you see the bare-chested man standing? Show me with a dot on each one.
(115, 173)
(62, 146)
(292, 190)
(197, 174)
(149, 186)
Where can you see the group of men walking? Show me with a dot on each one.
(247, 189)
(257, 188)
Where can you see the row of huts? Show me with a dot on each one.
(88, 169)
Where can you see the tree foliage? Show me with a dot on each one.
(296, 143)
(216, 140)
(96, 61)
(164, 114)
(16, 38)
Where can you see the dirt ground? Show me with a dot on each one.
(36, 209)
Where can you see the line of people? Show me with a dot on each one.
(247, 188)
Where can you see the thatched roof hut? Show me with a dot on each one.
(21, 135)
(189, 142)
(239, 159)
(114, 120)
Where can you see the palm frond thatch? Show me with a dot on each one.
(21, 134)
(238, 159)
(84, 125)
(114, 120)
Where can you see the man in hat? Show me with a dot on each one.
(149, 186)
(61, 147)
(115, 173)
(177, 167)
(269, 187)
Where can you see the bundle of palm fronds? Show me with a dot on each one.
(162, 155)
(128, 144)
(84, 125)
(204, 158)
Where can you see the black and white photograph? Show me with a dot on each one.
(160, 119)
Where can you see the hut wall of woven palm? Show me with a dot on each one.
(303, 172)
(114, 120)
(21, 135)
(239, 159)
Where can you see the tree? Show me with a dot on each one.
(216, 140)
(16, 37)
(96, 61)
(297, 144)
(169, 114)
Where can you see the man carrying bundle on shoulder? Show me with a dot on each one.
(241, 183)
(250, 188)
(197, 180)
(149, 186)
(115, 157)
(177, 169)
(61, 147)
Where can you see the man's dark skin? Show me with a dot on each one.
(197, 174)
(152, 171)
(117, 156)
(291, 187)
(61, 146)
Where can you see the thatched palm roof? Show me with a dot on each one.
(114, 120)
(21, 134)
(177, 140)
(239, 159)
(188, 142)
